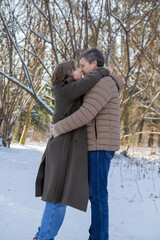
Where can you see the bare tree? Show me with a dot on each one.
(39, 34)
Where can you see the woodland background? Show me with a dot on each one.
(35, 35)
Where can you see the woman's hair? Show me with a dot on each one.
(62, 71)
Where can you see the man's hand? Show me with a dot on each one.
(53, 131)
(109, 69)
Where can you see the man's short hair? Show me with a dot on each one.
(93, 54)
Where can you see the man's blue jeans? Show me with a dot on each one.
(52, 219)
(99, 164)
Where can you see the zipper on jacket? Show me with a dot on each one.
(95, 128)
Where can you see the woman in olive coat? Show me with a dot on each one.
(62, 177)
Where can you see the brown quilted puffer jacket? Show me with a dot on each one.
(101, 112)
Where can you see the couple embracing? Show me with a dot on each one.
(85, 135)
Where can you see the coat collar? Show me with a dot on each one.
(68, 80)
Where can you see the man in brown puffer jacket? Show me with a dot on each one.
(100, 112)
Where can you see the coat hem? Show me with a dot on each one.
(83, 209)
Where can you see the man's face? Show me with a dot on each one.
(87, 67)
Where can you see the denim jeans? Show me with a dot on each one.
(52, 219)
(99, 164)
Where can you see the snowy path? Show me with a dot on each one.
(134, 189)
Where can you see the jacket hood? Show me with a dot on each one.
(119, 82)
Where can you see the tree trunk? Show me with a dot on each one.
(140, 135)
(151, 140)
(28, 123)
(125, 127)
(158, 140)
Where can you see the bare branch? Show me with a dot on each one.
(19, 53)
(46, 40)
(35, 52)
(117, 66)
(138, 22)
(40, 10)
(36, 98)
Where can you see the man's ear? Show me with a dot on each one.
(94, 63)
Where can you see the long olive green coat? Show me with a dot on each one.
(63, 173)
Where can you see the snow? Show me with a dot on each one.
(134, 197)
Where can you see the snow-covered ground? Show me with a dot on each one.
(134, 197)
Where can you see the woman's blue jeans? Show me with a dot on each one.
(52, 219)
(99, 164)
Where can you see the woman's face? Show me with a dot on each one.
(77, 74)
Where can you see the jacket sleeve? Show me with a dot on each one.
(75, 89)
(93, 102)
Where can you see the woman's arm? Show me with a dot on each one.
(75, 89)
